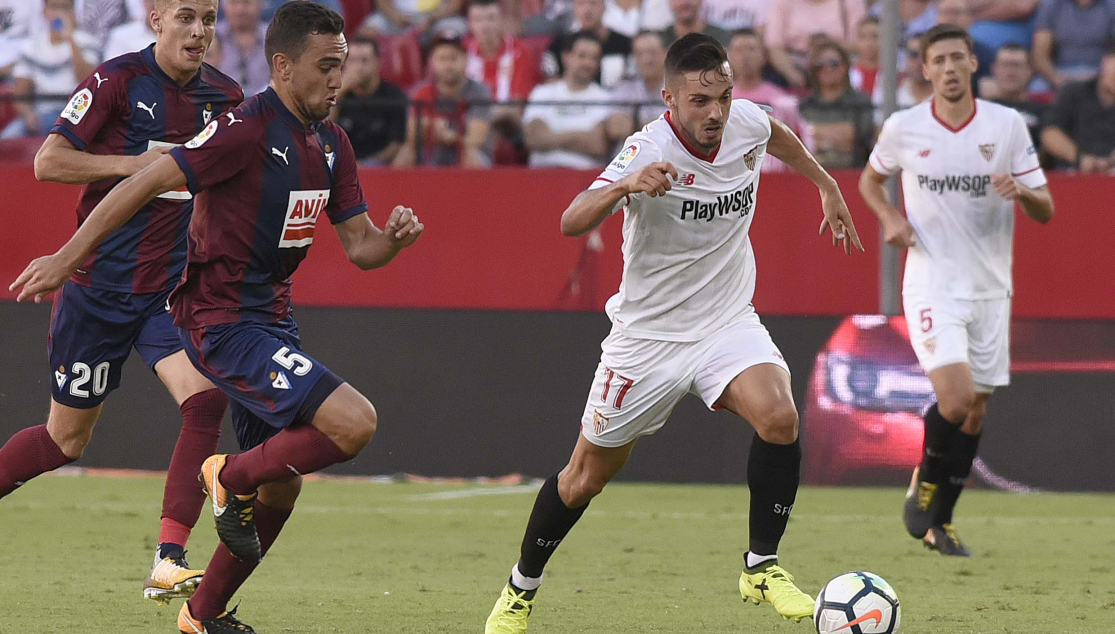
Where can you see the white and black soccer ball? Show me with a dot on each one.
(857, 603)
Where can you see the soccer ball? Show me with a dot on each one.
(857, 603)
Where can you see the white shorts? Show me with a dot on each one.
(946, 330)
(639, 381)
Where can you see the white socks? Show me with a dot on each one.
(524, 583)
(753, 560)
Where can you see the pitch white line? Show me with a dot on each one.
(474, 493)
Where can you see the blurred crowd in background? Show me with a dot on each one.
(559, 83)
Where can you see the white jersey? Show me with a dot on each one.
(688, 266)
(963, 228)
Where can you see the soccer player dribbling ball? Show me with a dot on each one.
(683, 320)
(123, 117)
(262, 174)
(964, 163)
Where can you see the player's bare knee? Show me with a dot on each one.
(71, 436)
(778, 425)
(357, 429)
(956, 405)
(577, 487)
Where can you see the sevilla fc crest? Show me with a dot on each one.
(599, 422)
(749, 158)
(987, 150)
(931, 345)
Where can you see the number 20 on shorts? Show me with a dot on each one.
(621, 385)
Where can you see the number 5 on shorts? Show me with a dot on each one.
(292, 360)
(623, 386)
(926, 320)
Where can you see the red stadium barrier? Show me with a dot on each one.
(492, 242)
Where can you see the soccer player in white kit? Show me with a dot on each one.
(964, 163)
(683, 322)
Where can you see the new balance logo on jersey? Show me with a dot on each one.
(302, 211)
(686, 180)
(924, 153)
(150, 109)
(974, 185)
(737, 202)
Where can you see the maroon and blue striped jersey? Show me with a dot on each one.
(261, 178)
(126, 107)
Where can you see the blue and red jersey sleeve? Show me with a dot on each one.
(347, 196)
(218, 152)
(99, 100)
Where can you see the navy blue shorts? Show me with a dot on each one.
(272, 383)
(93, 331)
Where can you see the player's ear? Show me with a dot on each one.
(156, 21)
(281, 65)
(974, 62)
(668, 97)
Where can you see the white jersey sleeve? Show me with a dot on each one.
(1024, 165)
(638, 152)
(884, 158)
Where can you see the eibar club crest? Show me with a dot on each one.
(749, 158)
(987, 150)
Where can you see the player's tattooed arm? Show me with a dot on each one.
(48, 273)
(592, 206)
(1037, 203)
(785, 146)
(897, 231)
(368, 248)
(59, 161)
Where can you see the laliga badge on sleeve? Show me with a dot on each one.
(625, 157)
(78, 106)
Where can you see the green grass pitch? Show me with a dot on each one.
(414, 558)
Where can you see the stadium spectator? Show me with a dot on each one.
(643, 94)
(99, 17)
(747, 57)
(372, 111)
(569, 123)
(495, 57)
(428, 18)
(1070, 38)
(630, 17)
(1001, 22)
(17, 21)
(51, 63)
(134, 35)
(451, 114)
(866, 48)
(959, 12)
(1008, 84)
(688, 19)
(838, 120)
(733, 15)
(550, 21)
(242, 33)
(588, 15)
(917, 16)
(794, 23)
(270, 6)
(1080, 126)
(913, 86)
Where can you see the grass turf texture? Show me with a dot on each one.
(410, 558)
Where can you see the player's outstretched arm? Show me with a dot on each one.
(592, 206)
(368, 248)
(1036, 203)
(785, 146)
(47, 274)
(897, 231)
(59, 161)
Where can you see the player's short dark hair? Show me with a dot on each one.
(695, 52)
(486, 3)
(943, 32)
(571, 41)
(294, 22)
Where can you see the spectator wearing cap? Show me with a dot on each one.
(430, 19)
(17, 19)
(838, 119)
(688, 19)
(373, 112)
(631, 17)
(747, 58)
(52, 61)
(1080, 125)
(1008, 84)
(588, 15)
(733, 15)
(1070, 38)
(569, 122)
(794, 25)
(242, 34)
(450, 116)
(642, 95)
